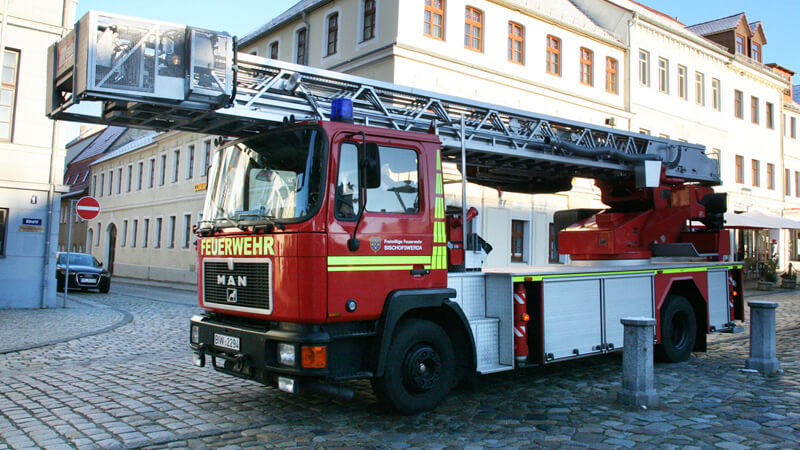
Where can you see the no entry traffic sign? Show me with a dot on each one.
(88, 208)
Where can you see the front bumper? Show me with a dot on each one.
(83, 279)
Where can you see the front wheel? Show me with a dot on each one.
(678, 329)
(105, 286)
(420, 369)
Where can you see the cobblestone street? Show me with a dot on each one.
(135, 386)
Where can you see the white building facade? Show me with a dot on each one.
(32, 162)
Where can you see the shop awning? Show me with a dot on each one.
(758, 219)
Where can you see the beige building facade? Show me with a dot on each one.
(151, 193)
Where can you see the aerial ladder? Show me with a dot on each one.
(131, 72)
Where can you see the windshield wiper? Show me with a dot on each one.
(271, 223)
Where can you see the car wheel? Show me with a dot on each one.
(678, 330)
(420, 370)
(105, 286)
(60, 285)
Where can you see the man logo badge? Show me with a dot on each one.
(233, 295)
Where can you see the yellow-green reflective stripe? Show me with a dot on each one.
(439, 212)
(681, 270)
(439, 183)
(439, 257)
(370, 260)
(367, 268)
(439, 232)
(439, 160)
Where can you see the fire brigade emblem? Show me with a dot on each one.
(375, 243)
(233, 295)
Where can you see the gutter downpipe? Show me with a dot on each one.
(629, 69)
(308, 37)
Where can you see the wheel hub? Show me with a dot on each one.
(421, 368)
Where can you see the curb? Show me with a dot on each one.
(126, 319)
(162, 284)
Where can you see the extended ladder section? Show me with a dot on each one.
(147, 74)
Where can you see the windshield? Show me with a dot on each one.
(78, 259)
(274, 176)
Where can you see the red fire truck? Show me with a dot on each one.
(328, 252)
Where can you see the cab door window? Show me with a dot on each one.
(398, 192)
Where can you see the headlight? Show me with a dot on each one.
(286, 354)
(195, 334)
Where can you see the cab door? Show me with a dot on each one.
(394, 234)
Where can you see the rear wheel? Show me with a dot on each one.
(420, 370)
(678, 329)
(60, 284)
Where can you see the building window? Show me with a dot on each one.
(611, 76)
(176, 164)
(796, 183)
(516, 43)
(130, 175)
(771, 176)
(94, 185)
(644, 67)
(683, 88)
(273, 50)
(333, 34)
(700, 88)
(553, 55)
(187, 229)
(8, 94)
(110, 182)
(754, 110)
(3, 226)
(740, 47)
(300, 54)
(663, 75)
(368, 32)
(119, 180)
(517, 240)
(793, 128)
(587, 62)
(145, 232)
(124, 233)
(190, 162)
(102, 183)
(740, 169)
(99, 234)
(644, 131)
(716, 96)
(151, 178)
(770, 116)
(206, 157)
(434, 19)
(756, 52)
(139, 177)
(135, 231)
(756, 173)
(553, 256)
(738, 102)
(171, 231)
(157, 239)
(473, 29)
(162, 173)
(787, 181)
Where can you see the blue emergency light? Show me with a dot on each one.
(342, 110)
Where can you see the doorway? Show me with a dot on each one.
(112, 244)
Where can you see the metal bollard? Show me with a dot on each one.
(638, 389)
(762, 338)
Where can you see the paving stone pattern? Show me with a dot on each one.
(135, 386)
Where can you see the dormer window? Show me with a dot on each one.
(740, 47)
(755, 52)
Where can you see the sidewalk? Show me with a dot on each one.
(24, 329)
(160, 284)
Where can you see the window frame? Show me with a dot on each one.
(770, 115)
(517, 236)
(663, 75)
(274, 49)
(771, 176)
(586, 66)
(739, 44)
(756, 172)
(176, 164)
(301, 45)
(12, 86)
(371, 14)
(332, 34)
(190, 161)
(612, 80)
(683, 82)
(430, 12)
(755, 51)
(755, 114)
(514, 38)
(644, 67)
(739, 169)
(472, 25)
(738, 104)
(700, 88)
(716, 94)
(553, 55)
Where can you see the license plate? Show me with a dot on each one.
(229, 342)
(88, 280)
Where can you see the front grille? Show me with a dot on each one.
(248, 285)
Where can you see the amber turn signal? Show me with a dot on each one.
(315, 357)
(526, 317)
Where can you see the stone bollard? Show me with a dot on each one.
(762, 338)
(637, 364)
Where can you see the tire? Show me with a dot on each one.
(678, 330)
(420, 369)
(105, 286)
(60, 285)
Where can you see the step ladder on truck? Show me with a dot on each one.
(326, 252)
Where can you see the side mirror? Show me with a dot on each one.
(371, 163)
(101, 264)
